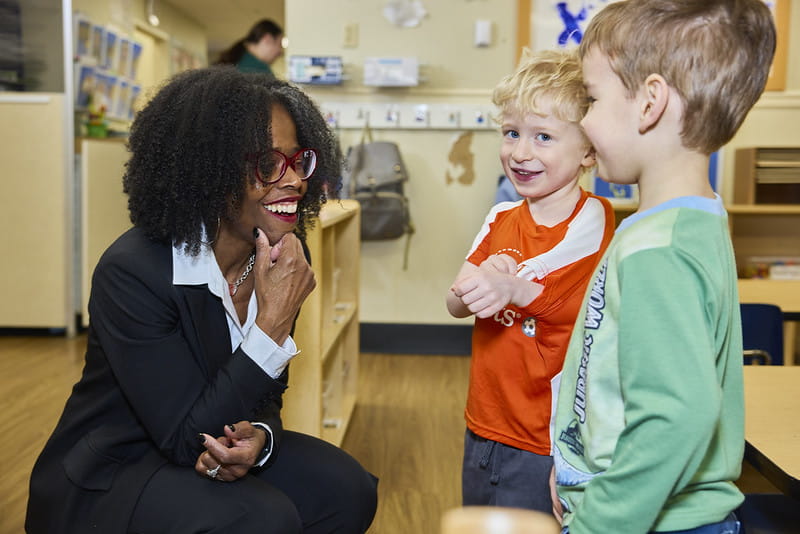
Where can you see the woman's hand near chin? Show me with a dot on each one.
(283, 280)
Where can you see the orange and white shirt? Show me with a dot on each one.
(517, 354)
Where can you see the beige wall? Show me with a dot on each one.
(447, 215)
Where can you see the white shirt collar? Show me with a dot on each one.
(188, 270)
(203, 269)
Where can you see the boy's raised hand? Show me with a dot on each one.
(486, 291)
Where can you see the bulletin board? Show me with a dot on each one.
(777, 74)
(545, 24)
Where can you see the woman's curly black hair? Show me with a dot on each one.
(189, 163)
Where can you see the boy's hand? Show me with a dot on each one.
(558, 511)
(486, 292)
(502, 263)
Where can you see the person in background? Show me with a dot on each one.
(649, 427)
(255, 52)
(175, 425)
(524, 279)
(505, 190)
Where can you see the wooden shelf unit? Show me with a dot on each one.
(323, 378)
(757, 230)
(767, 175)
(765, 214)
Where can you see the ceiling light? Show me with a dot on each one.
(152, 18)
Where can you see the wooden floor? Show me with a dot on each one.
(407, 428)
(36, 375)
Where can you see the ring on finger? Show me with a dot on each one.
(212, 473)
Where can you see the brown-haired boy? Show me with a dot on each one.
(649, 430)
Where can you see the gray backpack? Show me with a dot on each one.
(374, 175)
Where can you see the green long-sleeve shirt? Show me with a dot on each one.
(649, 430)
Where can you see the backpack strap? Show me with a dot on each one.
(409, 230)
(366, 137)
(366, 133)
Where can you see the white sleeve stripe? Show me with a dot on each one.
(490, 218)
(581, 240)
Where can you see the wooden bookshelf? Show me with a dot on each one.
(323, 378)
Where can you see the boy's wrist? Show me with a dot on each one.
(525, 292)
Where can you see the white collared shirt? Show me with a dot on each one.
(258, 346)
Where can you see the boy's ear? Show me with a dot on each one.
(589, 158)
(654, 101)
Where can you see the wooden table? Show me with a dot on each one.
(772, 424)
(784, 293)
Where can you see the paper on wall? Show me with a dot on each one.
(404, 13)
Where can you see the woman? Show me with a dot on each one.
(175, 424)
(262, 45)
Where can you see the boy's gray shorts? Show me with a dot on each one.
(494, 474)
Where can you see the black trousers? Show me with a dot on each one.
(312, 487)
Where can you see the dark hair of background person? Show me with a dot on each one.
(189, 163)
(263, 27)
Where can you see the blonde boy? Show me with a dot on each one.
(524, 279)
(649, 423)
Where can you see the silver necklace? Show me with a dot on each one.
(234, 287)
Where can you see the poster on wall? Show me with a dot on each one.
(121, 103)
(110, 50)
(561, 24)
(133, 94)
(103, 96)
(182, 59)
(82, 33)
(777, 74)
(84, 85)
(96, 51)
(124, 57)
(136, 52)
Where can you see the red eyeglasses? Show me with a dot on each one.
(303, 162)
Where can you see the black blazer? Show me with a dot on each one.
(158, 370)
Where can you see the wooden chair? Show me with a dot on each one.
(497, 520)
